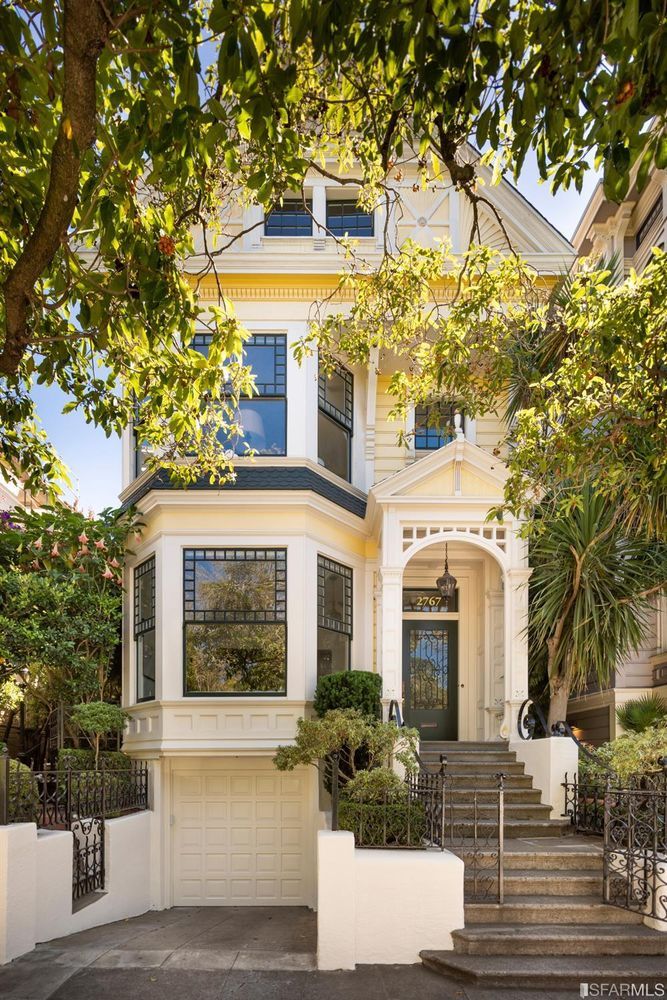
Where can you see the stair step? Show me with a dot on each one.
(470, 757)
(546, 883)
(457, 811)
(518, 828)
(525, 796)
(530, 972)
(593, 939)
(567, 910)
(453, 745)
(473, 767)
(555, 860)
(482, 781)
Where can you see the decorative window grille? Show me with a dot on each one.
(434, 425)
(334, 616)
(144, 628)
(335, 420)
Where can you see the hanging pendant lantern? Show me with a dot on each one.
(446, 583)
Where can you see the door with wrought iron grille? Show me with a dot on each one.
(430, 678)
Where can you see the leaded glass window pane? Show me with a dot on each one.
(235, 611)
(144, 628)
(434, 425)
(334, 616)
(263, 418)
(290, 219)
(344, 217)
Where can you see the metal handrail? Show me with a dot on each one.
(526, 727)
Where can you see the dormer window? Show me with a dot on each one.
(346, 218)
(334, 423)
(434, 425)
(292, 218)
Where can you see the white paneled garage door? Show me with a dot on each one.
(241, 837)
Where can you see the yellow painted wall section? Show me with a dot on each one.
(260, 519)
(390, 457)
(491, 430)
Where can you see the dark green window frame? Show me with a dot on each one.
(144, 625)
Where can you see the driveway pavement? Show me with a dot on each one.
(227, 953)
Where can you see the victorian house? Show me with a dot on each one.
(321, 556)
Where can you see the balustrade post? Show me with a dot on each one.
(68, 795)
(501, 835)
(4, 788)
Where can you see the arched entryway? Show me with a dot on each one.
(452, 675)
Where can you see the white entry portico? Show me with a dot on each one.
(446, 498)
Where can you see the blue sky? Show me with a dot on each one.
(95, 460)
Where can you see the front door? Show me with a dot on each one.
(430, 678)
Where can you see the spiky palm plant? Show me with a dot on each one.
(590, 593)
(639, 714)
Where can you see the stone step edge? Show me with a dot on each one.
(530, 971)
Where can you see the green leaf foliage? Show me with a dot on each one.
(114, 194)
(640, 714)
(357, 689)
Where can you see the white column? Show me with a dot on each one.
(516, 647)
(390, 639)
(252, 218)
(320, 213)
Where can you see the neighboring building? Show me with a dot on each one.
(626, 234)
(322, 556)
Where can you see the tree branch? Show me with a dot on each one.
(85, 30)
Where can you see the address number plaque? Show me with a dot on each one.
(424, 600)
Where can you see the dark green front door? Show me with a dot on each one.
(430, 678)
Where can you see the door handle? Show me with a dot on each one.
(461, 685)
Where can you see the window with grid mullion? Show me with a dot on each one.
(344, 416)
(342, 575)
(144, 576)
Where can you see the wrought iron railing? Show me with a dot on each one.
(427, 816)
(635, 850)
(56, 797)
(66, 798)
(585, 797)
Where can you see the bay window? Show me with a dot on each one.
(334, 616)
(334, 423)
(235, 621)
(263, 417)
(144, 628)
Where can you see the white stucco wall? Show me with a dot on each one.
(36, 882)
(547, 761)
(383, 907)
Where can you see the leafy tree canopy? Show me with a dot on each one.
(60, 601)
(125, 123)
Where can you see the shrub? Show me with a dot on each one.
(376, 786)
(391, 824)
(346, 731)
(640, 714)
(84, 759)
(24, 806)
(358, 689)
(634, 755)
(595, 772)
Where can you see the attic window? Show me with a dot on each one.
(434, 425)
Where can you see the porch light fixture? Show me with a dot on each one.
(446, 583)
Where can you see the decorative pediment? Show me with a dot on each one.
(460, 469)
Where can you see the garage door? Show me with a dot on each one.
(241, 838)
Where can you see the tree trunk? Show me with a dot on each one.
(559, 691)
(85, 29)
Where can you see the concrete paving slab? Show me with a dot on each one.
(178, 934)
(276, 961)
(254, 985)
(142, 984)
(204, 960)
(128, 959)
(401, 981)
(31, 980)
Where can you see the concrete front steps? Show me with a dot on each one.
(552, 930)
(472, 767)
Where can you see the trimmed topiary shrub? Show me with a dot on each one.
(358, 689)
